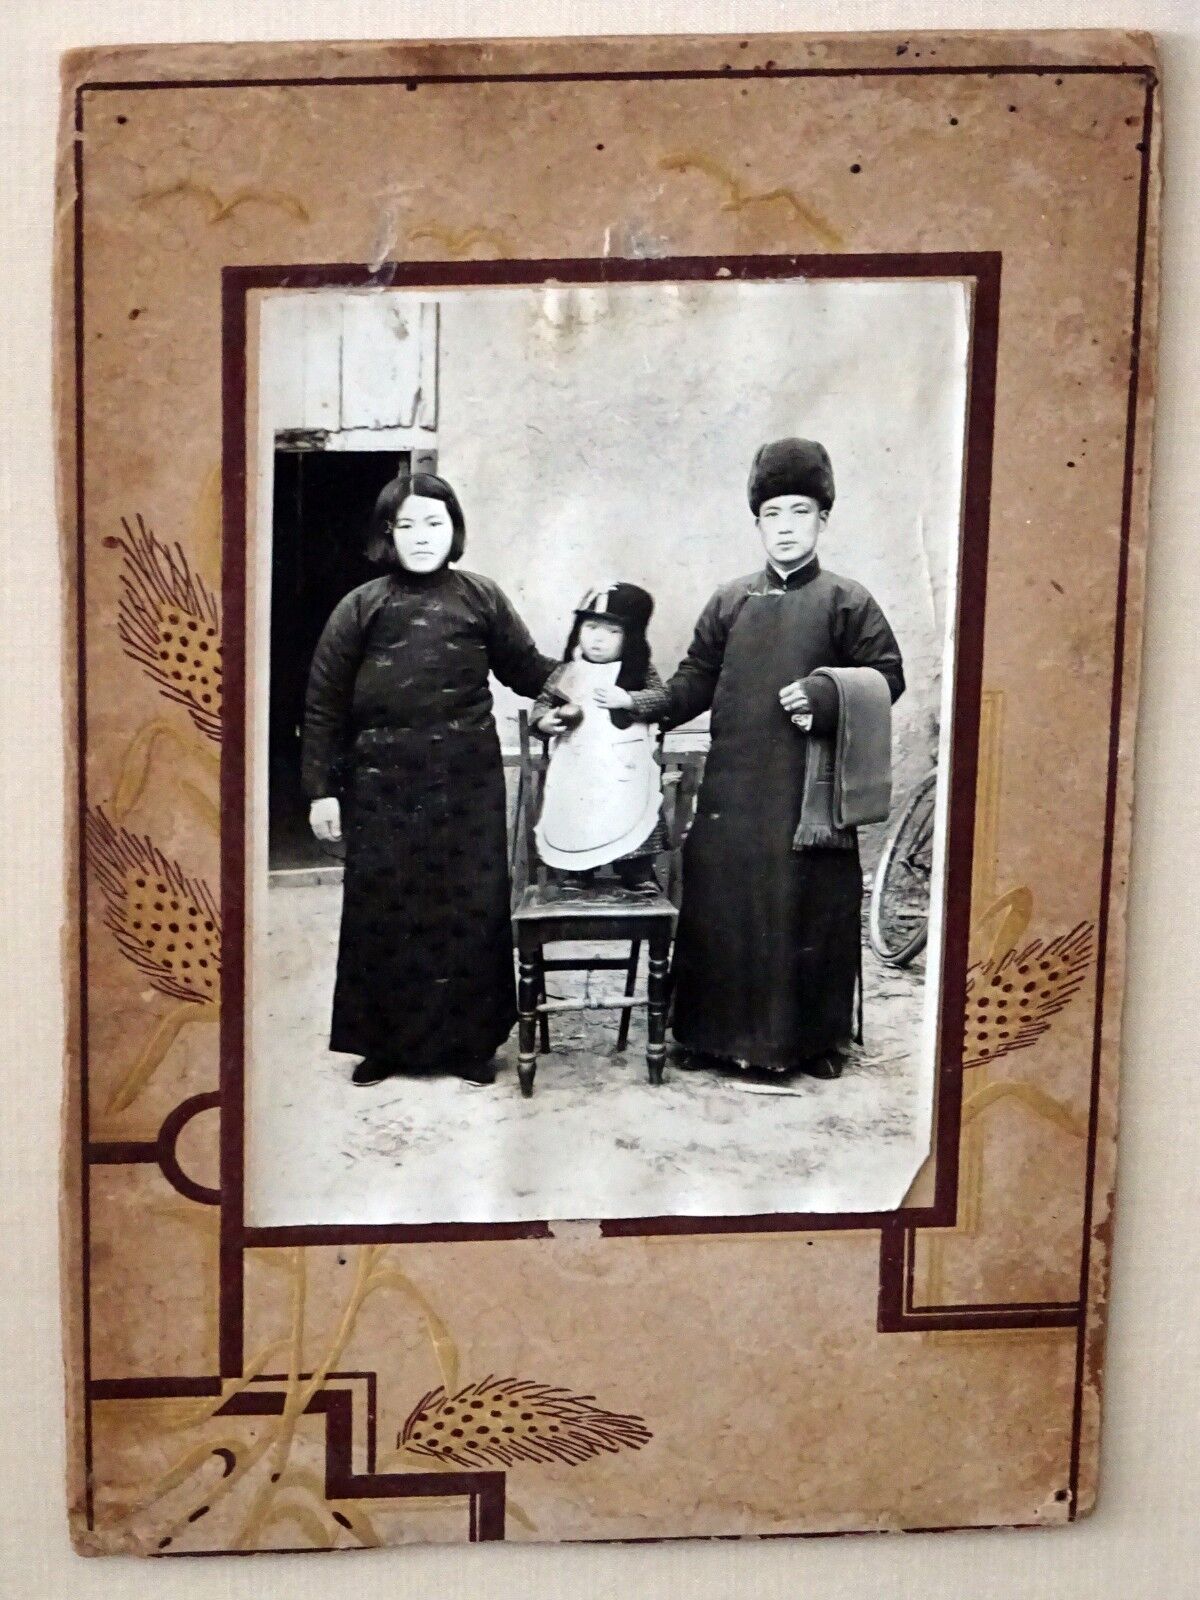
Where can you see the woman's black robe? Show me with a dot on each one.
(398, 724)
(768, 944)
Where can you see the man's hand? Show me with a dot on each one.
(614, 699)
(550, 724)
(325, 819)
(794, 700)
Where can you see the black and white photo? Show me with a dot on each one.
(603, 652)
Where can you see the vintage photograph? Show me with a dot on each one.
(602, 664)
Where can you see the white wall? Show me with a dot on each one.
(1145, 1539)
(598, 432)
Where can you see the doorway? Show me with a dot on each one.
(323, 500)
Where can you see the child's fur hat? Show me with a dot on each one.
(618, 602)
(632, 608)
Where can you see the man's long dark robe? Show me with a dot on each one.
(768, 945)
(398, 724)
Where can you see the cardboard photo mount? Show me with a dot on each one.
(317, 1387)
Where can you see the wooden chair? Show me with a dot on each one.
(550, 913)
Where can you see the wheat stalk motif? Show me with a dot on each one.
(499, 1421)
(168, 926)
(164, 922)
(1011, 1000)
(169, 623)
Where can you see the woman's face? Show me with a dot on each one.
(423, 533)
(600, 641)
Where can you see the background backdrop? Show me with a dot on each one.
(596, 432)
(1145, 1538)
(607, 433)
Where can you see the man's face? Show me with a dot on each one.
(600, 641)
(790, 526)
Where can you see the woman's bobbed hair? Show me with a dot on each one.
(381, 546)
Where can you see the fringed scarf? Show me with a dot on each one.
(848, 775)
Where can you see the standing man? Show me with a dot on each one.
(768, 947)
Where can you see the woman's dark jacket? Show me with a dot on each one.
(398, 723)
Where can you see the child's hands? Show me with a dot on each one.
(614, 699)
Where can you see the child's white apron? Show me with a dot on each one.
(603, 791)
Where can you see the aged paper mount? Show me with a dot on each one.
(318, 1384)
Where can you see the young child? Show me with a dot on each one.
(602, 802)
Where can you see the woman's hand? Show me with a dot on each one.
(614, 699)
(325, 819)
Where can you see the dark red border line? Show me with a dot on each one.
(1110, 804)
(85, 1196)
(893, 1225)
(233, 806)
(630, 75)
(897, 1314)
(983, 269)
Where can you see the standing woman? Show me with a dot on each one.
(400, 753)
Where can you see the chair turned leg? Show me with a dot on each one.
(528, 989)
(656, 1009)
(635, 950)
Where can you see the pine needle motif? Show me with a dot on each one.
(166, 924)
(169, 623)
(499, 1421)
(1010, 1004)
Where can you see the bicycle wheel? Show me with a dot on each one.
(899, 922)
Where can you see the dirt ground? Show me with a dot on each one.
(596, 1140)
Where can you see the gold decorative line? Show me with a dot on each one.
(194, 1416)
(349, 1513)
(989, 771)
(444, 1348)
(295, 1511)
(270, 1505)
(1005, 918)
(300, 1395)
(260, 1508)
(739, 199)
(978, 1336)
(188, 1463)
(207, 525)
(1032, 1098)
(460, 241)
(134, 771)
(209, 810)
(221, 210)
(971, 1202)
(154, 1052)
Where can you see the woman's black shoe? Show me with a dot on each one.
(827, 1065)
(479, 1071)
(371, 1070)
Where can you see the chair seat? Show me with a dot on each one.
(543, 901)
